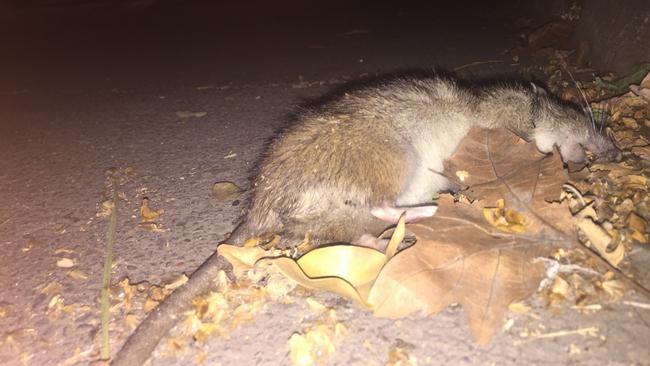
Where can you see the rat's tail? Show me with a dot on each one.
(139, 346)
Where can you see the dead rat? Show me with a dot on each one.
(384, 144)
(359, 159)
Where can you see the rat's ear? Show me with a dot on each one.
(538, 89)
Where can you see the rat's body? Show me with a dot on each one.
(373, 146)
(383, 144)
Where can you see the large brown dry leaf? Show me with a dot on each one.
(460, 257)
(500, 165)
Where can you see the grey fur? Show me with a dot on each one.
(383, 144)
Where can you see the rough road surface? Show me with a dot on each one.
(81, 93)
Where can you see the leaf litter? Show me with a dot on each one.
(318, 341)
(149, 216)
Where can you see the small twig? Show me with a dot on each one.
(592, 307)
(591, 331)
(106, 277)
(567, 268)
(7, 219)
(636, 304)
(477, 63)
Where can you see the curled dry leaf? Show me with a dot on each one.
(234, 303)
(52, 288)
(462, 174)
(615, 289)
(642, 151)
(149, 305)
(642, 90)
(244, 258)
(154, 227)
(599, 238)
(178, 282)
(638, 226)
(601, 241)
(106, 208)
(645, 83)
(559, 291)
(344, 269)
(175, 346)
(266, 242)
(399, 356)
(505, 219)
(633, 181)
(147, 213)
(519, 307)
(278, 286)
(77, 275)
(201, 356)
(131, 321)
(317, 342)
(613, 171)
(63, 250)
(315, 305)
(224, 191)
(126, 292)
(629, 123)
(65, 263)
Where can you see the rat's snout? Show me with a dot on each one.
(611, 156)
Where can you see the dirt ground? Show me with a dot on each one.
(79, 96)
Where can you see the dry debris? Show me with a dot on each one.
(147, 213)
(149, 216)
(65, 263)
(318, 341)
(399, 356)
(224, 191)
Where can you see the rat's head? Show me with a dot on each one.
(601, 147)
(573, 131)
